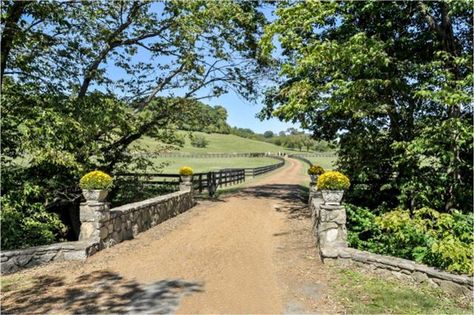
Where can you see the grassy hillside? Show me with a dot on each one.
(220, 143)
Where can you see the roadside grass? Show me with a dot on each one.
(366, 294)
(210, 164)
(13, 283)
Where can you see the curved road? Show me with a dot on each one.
(249, 252)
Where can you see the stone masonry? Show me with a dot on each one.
(329, 224)
(101, 227)
(15, 260)
(112, 226)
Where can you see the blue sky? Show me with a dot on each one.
(241, 113)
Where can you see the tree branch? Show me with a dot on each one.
(9, 31)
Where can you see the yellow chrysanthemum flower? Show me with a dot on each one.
(333, 180)
(185, 171)
(96, 180)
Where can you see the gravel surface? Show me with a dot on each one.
(249, 252)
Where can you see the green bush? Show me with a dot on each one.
(24, 226)
(443, 240)
(199, 141)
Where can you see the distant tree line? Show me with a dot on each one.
(291, 139)
(204, 118)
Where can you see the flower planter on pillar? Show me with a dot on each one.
(331, 230)
(95, 195)
(332, 197)
(186, 179)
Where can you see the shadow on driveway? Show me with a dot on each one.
(97, 292)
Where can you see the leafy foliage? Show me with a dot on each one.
(96, 180)
(204, 118)
(64, 112)
(32, 227)
(362, 73)
(426, 236)
(198, 141)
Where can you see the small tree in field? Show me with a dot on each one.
(199, 141)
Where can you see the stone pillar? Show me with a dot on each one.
(92, 214)
(313, 192)
(331, 230)
(185, 186)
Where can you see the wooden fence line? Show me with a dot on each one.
(208, 180)
(225, 155)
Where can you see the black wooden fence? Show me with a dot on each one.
(209, 181)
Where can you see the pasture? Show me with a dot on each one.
(220, 143)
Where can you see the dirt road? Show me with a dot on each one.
(249, 252)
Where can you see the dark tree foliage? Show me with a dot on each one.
(81, 81)
(391, 81)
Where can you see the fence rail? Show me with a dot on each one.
(208, 180)
(229, 155)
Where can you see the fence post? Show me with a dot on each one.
(200, 183)
(211, 183)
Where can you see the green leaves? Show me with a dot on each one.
(83, 81)
(391, 81)
(426, 236)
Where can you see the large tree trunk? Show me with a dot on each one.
(10, 28)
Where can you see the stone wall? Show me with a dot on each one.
(125, 222)
(14, 260)
(329, 224)
(102, 227)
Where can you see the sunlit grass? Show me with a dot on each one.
(367, 294)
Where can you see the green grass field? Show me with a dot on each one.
(368, 294)
(220, 143)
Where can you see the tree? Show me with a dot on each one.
(268, 134)
(198, 141)
(65, 111)
(392, 81)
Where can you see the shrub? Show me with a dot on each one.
(96, 180)
(185, 171)
(26, 225)
(427, 236)
(315, 170)
(199, 141)
(333, 180)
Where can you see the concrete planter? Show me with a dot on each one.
(332, 197)
(186, 179)
(95, 195)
